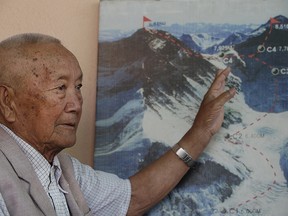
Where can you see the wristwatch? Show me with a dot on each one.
(183, 155)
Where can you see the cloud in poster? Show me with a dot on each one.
(127, 15)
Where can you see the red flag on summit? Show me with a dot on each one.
(274, 21)
(146, 19)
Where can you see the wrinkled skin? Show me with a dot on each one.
(47, 102)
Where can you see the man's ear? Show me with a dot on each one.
(7, 110)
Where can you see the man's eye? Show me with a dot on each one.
(61, 88)
(78, 87)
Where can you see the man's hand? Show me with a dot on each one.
(155, 181)
(211, 113)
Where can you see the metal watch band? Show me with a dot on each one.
(183, 155)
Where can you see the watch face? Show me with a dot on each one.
(187, 159)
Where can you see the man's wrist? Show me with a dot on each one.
(183, 155)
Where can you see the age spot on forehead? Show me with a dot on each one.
(47, 71)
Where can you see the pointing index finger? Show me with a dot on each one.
(218, 84)
(222, 74)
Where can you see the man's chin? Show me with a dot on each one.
(67, 142)
(65, 138)
(70, 143)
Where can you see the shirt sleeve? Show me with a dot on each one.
(105, 193)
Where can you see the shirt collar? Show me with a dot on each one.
(40, 165)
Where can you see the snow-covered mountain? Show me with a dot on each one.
(201, 42)
(267, 25)
(150, 86)
(214, 30)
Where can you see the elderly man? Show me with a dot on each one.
(40, 108)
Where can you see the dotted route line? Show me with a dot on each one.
(259, 152)
(254, 55)
(173, 41)
(265, 158)
(269, 188)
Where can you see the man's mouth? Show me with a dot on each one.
(69, 125)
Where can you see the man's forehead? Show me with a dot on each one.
(39, 61)
(33, 52)
(47, 49)
(65, 75)
(46, 62)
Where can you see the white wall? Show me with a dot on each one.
(75, 23)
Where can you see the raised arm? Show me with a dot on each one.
(154, 182)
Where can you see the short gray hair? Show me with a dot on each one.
(27, 38)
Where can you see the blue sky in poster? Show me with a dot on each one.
(185, 11)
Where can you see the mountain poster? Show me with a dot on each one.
(156, 61)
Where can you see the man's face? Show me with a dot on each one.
(49, 102)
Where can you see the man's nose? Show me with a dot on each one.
(74, 102)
